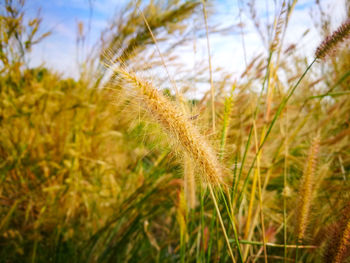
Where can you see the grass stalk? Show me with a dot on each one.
(285, 172)
(268, 244)
(221, 222)
(281, 106)
(234, 228)
(178, 96)
(212, 88)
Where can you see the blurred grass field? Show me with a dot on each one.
(88, 174)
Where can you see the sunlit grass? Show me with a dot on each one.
(110, 167)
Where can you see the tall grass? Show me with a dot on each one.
(112, 167)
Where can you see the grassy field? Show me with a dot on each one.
(122, 165)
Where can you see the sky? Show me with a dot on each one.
(58, 51)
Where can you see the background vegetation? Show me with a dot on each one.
(89, 175)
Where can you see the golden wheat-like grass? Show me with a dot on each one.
(175, 123)
(306, 189)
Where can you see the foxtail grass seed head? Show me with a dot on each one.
(330, 42)
(306, 189)
(176, 124)
(337, 248)
(344, 245)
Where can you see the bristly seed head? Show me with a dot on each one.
(176, 124)
(306, 189)
(330, 42)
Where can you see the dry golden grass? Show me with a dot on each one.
(91, 174)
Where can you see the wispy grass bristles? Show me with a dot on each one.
(176, 124)
(330, 42)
